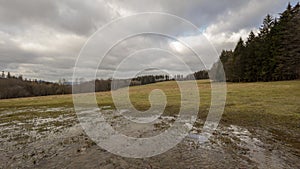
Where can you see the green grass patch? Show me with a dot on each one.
(271, 106)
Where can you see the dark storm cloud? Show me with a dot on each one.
(42, 38)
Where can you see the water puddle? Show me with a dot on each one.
(52, 142)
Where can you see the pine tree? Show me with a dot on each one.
(272, 55)
(268, 23)
(238, 60)
(8, 75)
(287, 55)
(250, 71)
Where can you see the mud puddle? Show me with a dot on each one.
(60, 142)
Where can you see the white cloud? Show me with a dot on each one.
(42, 39)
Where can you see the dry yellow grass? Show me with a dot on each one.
(272, 106)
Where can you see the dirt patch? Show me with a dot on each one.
(60, 142)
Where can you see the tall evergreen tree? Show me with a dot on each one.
(272, 55)
(238, 59)
(8, 75)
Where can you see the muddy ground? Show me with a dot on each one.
(47, 141)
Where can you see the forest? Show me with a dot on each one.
(272, 55)
(14, 87)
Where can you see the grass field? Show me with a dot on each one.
(271, 106)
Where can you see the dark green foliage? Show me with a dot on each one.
(272, 55)
(203, 74)
(17, 87)
(143, 80)
(8, 75)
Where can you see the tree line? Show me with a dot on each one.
(272, 55)
(15, 87)
(113, 84)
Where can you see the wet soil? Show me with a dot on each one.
(60, 142)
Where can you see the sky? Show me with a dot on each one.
(43, 39)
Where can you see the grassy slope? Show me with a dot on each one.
(272, 106)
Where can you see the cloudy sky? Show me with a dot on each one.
(43, 38)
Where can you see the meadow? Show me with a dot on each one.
(271, 107)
